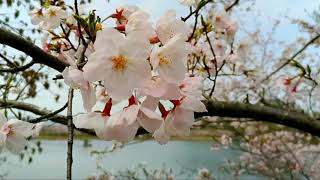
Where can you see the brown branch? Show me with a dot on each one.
(48, 116)
(19, 68)
(232, 5)
(297, 120)
(70, 135)
(200, 6)
(57, 118)
(39, 56)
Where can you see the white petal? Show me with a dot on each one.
(108, 40)
(136, 47)
(160, 135)
(21, 127)
(173, 92)
(154, 60)
(193, 105)
(168, 27)
(130, 114)
(89, 98)
(97, 66)
(15, 143)
(149, 120)
(67, 78)
(77, 77)
(173, 73)
(118, 86)
(151, 103)
(117, 129)
(90, 120)
(182, 121)
(141, 73)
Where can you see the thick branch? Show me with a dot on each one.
(39, 56)
(291, 119)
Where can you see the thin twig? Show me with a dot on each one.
(47, 116)
(293, 57)
(196, 11)
(79, 25)
(70, 136)
(232, 5)
(19, 68)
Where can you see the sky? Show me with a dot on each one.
(263, 11)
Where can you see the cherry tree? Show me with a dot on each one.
(155, 77)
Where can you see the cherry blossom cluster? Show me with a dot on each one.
(144, 65)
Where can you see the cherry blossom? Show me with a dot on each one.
(52, 17)
(158, 88)
(122, 125)
(13, 134)
(138, 22)
(221, 20)
(121, 61)
(220, 47)
(37, 16)
(179, 120)
(170, 59)
(169, 26)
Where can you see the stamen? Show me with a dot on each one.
(119, 63)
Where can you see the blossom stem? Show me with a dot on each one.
(70, 136)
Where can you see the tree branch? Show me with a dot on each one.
(70, 135)
(17, 42)
(39, 111)
(232, 5)
(19, 68)
(293, 57)
(291, 119)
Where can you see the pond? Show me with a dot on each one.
(178, 155)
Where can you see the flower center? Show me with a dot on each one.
(52, 13)
(163, 60)
(119, 63)
(6, 129)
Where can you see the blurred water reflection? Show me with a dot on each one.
(51, 163)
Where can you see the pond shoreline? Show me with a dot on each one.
(197, 134)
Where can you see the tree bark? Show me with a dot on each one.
(297, 120)
(39, 56)
(70, 136)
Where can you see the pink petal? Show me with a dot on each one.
(15, 143)
(149, 120)
(21, 127)
(160, 135)
(90, 120)
(88, 97)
